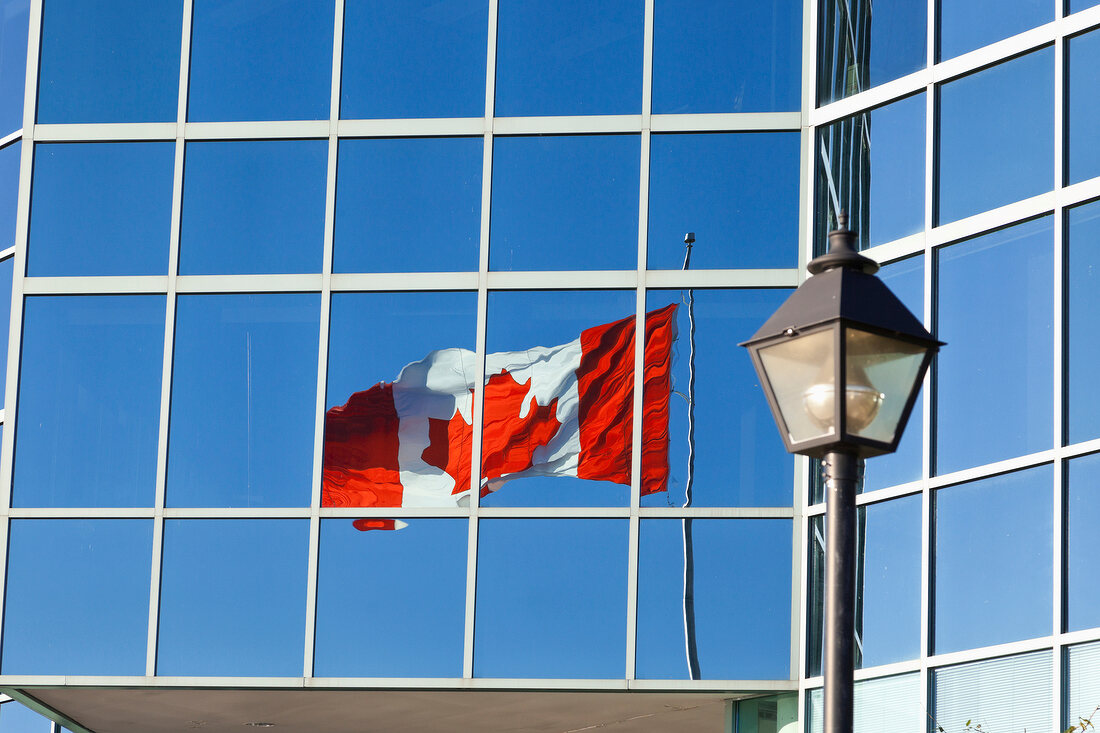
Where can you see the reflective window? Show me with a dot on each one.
(414, 58)
(1082, 683)
(886, 703)
(859, 48)
(1010, 693)
(766, 714)
(569, 57)
(244, 397)
(737, 458)
(1082, 313)
(408, 205)
(388, 427)
(89, 387)
(247, 56)
(1083, 506)
(559, 399)
(993, 538)
(77, 596)
(115, 61)
(551, 598)
(565, 202)
(233, 597)
(407, 587)
(872, 166)
(14, 16)
(720, 186)
(9, 193)
(7, 268)
(1083, 107)
(253, 207)
(996, 135)
(993, 384)
(687, 589)
(101, 209)
(969, 24)
(15, 718)
(1076, 5)
(704, 60)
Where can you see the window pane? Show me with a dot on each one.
(89, 387)
(741, 635)
(1077, 5)
(233, 597)
(569, 57)
(1011, 693)
(719, 186)
(101, 209)
(77, 596)
(1083, 506)
(408, 205)
(7, 268)
(253, 207)
(969, 24)
(1082, 683)
(992, 539)
(738, 458)
(260, 60)
(408, 592)
(764, 714)
(383, 443)
(565, 202)
(113, 61)
(996, 133)
(9, 192)
(1083, 155)
(886, 703)
(872, 166)
(414, 58)
(993, 384)
(860, 47)
(555, 589)
(1082, 313)
(704, 60)
(246, 364)
(557, 425)
(15, 718)
(13, 63)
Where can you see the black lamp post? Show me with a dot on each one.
(841, 333)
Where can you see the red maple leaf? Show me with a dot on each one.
(508, 441)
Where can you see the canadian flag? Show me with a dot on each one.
(559, 411)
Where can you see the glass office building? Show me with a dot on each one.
(225, 227)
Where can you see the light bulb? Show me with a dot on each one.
(862, 402)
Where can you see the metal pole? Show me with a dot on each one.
(841, 475)
(690, 645)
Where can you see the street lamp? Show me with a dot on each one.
(841, 333)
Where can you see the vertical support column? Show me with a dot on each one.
(841, 474)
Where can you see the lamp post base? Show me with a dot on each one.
(841, 475)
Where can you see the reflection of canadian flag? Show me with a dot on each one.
(560, 411)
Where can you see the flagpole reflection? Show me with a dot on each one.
(689, 557)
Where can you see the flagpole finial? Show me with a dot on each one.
(689, 239)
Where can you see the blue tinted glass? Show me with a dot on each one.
(408, 591)
(717, 185)
(9, 193)
(872, 166)
(233, 597)
(1082, 314)
(553, 436)
(15, 718)
(994, 144)
(391, 413)
(969, 24)
(906, 279)
(551, 598)
(260, 60)
(994, 384)
(408, 205)
(253, 207)
(737, 639)
(565, 203)
(14, 15)
(77, 596)
(7, 268)
(1083, 506)
(860, 46)
(569, 57)
(705, 59)
(1076, 5)
(89, 387)
(738, 460)
(888, 599)
(1083, 107)
(414, 58)
(115, 61)
(992, 539)
(101, 209)
(246, 364)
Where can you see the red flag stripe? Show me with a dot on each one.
(361, 447)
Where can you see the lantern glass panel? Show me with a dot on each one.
(802, 377)
(880, 373)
